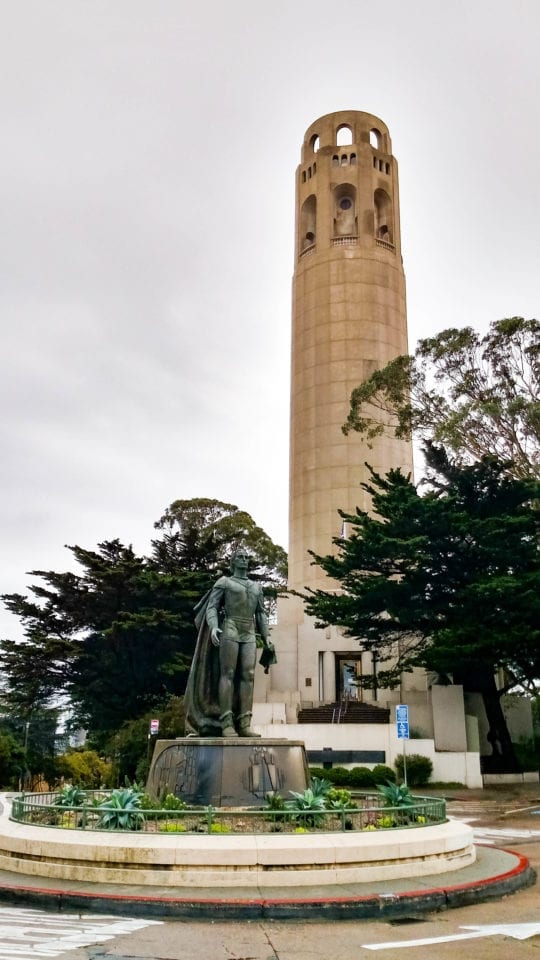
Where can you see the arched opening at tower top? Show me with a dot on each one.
(375, 138)
(344, 136)
(315, 142)
(345, 222)
(384, 219)
(308, 224)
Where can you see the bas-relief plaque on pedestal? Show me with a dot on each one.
(227, 773)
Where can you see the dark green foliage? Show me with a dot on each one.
(528, 753)
(477, 396)
(339, 775)
(358, 777)
(419, 769)
(202, 534)
(382, 774)
(130, 747)
(116, 638)
(12, 760)
(449, 581)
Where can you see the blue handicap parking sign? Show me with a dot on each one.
(402, 721)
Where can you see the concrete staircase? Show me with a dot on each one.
(346, 711)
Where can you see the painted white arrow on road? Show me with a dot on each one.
(519, 931)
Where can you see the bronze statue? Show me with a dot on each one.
(219, 693)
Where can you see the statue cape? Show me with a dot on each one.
(201, 705)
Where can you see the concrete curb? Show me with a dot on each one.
(322, 907)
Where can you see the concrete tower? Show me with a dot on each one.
(349, 319)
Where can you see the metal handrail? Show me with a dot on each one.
(40, 810)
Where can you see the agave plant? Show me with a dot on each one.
(70, 796)
(121, 811)
(320, 786)
(307, 807)
(396, 795)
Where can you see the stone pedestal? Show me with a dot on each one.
(227, 773)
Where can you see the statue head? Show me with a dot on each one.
(240, 560)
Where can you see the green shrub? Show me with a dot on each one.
(385, 823)
(339, 776)
(275, 802)
(173, 828)
(360, 777)
(219, 828)
(338, 798)
(528, 753)
(382, 774)
(170, 802)
(85, 768)
(419, 769)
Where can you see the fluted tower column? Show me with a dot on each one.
(349, 318)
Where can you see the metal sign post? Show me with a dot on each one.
(402, 723)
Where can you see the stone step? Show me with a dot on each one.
(348, 712)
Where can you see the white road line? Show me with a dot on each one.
(518, 931)
(390, 945)
(27, 934)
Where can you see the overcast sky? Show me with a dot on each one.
(146, 242)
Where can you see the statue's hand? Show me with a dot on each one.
(214, 636)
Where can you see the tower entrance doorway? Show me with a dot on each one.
(348, 672)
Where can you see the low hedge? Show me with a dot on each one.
(358, 777)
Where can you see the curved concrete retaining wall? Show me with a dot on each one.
(209, 860)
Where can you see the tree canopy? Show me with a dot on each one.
(477, 396)
(202, 534)
(448, 580)
(116, 638)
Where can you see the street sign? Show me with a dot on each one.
(154, 727)
(402, 721)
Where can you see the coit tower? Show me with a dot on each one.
(348, 319)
